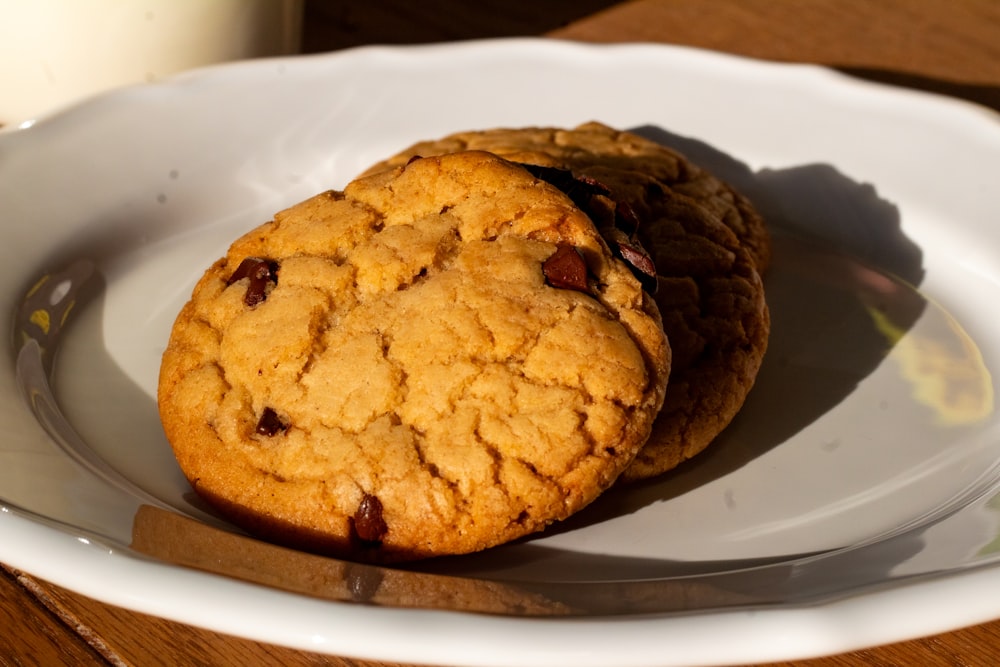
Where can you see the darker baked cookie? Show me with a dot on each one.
(709, 248)
(443, 357)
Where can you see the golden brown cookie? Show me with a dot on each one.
(707, 243)
(442, 357)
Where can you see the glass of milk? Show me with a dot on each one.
(54, 52)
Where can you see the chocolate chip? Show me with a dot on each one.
(594, 198)
(629, 250)
(626, 219)
(594, 185)
(269, 423)
(250, 267)
(261, 273)
(565, 269)
(578, 188)
(562, 179)
(367, 521)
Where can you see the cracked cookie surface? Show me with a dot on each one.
(709, 247)
(396, 371)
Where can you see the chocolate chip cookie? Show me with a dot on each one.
(709, 248)
(440, 358)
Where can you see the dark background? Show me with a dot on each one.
(337, 24)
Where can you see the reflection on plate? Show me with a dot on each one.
(860, 478)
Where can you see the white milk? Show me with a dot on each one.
(53, 52)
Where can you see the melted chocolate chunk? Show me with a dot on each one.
(269, 423)
(592, 197)
(367, 521)
(626, 219)
(629, 250)
(261, 273)
(578, 188)
(565, 269)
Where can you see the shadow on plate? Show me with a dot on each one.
(841, 289)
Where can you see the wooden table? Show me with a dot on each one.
(946, 46)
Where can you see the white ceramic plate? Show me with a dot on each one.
(853, 502)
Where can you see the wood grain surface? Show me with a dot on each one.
(950, 47)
